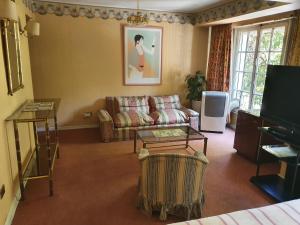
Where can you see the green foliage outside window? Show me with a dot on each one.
(269, 51)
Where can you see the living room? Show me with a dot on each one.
(84, 57)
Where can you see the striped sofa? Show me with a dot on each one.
(125, 114)
(172, 184)
(286, 213)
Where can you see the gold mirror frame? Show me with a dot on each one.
(12, 55)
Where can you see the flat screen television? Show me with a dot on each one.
(281, 100)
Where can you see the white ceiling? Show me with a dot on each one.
(187, 6)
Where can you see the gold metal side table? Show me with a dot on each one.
(42, 157)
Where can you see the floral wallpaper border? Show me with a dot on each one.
(234, 8)
(227, 10)
(73, 10)
(27, 3)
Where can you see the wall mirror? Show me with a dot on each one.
(11, 54)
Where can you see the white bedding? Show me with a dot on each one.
(285, 213)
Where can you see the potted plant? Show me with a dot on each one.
(196, 83)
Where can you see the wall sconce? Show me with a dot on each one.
(32, 28)
(8, 10)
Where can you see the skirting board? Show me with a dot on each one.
(75, 127)
(13, 208)
(71, 127)
(14, 205)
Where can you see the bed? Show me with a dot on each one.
(285, 213)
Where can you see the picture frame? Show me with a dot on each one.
(142, 55)
(12, 55)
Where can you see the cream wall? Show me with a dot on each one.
(80, 61)
(8, 104)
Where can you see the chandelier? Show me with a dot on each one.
(138, 18)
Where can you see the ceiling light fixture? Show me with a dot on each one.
(137, 19)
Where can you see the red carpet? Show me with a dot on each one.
(95, 183)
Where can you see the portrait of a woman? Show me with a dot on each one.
(142, 56)
(141, 50)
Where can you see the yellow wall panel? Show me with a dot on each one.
(8, 104)
(80, 60)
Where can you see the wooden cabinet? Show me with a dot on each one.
(247, 135)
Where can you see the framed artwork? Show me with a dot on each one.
(12, 55)
(142, 59)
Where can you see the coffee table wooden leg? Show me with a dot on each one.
(205, 146)
(134, 141)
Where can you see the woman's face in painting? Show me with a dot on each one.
(140, 42)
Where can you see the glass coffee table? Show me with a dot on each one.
(165, 136)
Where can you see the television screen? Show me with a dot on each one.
(281, 98)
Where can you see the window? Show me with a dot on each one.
(255, 48)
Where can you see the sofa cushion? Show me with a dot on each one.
(164, 102)
(169, 116)
(132, 119)
(132, 103)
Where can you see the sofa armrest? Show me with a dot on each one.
(193, 117)
(106, 126)
(189, 112)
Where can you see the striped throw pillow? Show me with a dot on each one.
(132, 119)
(169, 116)
(165, 102)
(133, 103)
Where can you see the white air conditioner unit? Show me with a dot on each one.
(214, 110)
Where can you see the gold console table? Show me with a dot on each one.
(41, 160)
